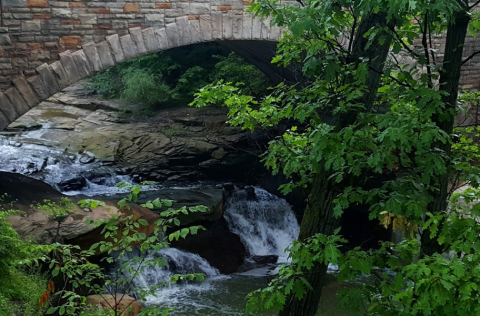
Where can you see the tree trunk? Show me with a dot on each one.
(318, 216)
(449, 80)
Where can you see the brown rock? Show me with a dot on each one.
(119, 302)
(163, 5)
(69, 22)
(101, 11)
(42, 16)
(219, 153)
(37, 3)
(77, 5)
(131, 8)
(224, 7)
(70, 42)
(34, 46)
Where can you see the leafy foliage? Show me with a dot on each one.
(347, 136)
(172, 77)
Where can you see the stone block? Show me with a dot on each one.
(48, 79)
(31, 26)
(205, 28)
(103, 50)
(83, 66)
(4, 121)
(92, 56)
(237, 23)
(114, 42)
(152, 18)
(183, 29)
(17, 101)
(7, 108)
(61, 13)
(128, 47)
(195, 31)
(256, 28)
(14, 3)
(161, 35)
(172, 35)
(247, 26)
(37, 3)
(227, 26)
(131, 8)
(70, 42)
(137, 38)
(60, 74)
(70, 67)
(37, 85)
(217, 25)
(26, 91)
(199, 8)
(151, 41)
(265, 33)
(5, 40)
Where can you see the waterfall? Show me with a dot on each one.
(178, 262)
(266, 224)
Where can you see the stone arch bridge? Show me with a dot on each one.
(47, 45)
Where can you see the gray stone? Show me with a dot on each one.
(195, 31)
(247, 26)
(184, 37)
(154, 18)
(61, 13)
(128, 47)
(26, 91)
(17, 101)
(237, 23)
(137, 37)
(48, 79)
(161, 35)
(227, 26)
(37, 85)
(7, 108)
(199, 8)
(217, 28)
(5, 40)
(151, 41)
(103, 50)
(14, 3)
(31, 26)
(4, 121)
(60, 74)
(265, 33)
(205, 28)
(172, 35)
(256, 28)
(83, 66)
(70, 67)
(114, 42)
(92, 56)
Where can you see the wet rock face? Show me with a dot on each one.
(76, 131)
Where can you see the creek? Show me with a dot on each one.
(266, 225)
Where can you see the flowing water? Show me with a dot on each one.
(266, 225)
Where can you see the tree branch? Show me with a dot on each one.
(471, 56)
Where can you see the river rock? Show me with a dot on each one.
(187, 142)
(118, 301)
(34, 224)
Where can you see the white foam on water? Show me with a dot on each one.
(266, 226)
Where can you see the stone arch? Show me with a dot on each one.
(26, 93)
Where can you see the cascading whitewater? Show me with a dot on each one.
(266, 225)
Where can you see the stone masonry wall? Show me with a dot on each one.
(33, 32)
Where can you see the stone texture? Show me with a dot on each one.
(7, 108)
(150, 40)
(17, 101)
(103, 50)
(114, 42)
(137, 38)
(83, 66)
(128, 47)
(48, 79)
(61, 75)
(37, 85)
(70, 67)
(27, 93)
(92, 56)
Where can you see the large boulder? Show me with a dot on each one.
(119, 302)
(34, 224)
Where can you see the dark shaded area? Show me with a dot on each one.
(221, 248)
